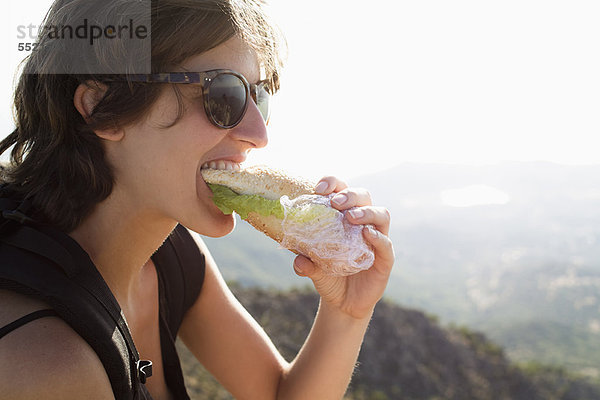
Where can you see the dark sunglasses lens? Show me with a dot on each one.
(263, 102)
(227, 100)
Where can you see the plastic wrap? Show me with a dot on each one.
(313, 228)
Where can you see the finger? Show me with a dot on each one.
(351, 197)
(377, 216)
(329, 184)
(303, 266)
(384, 250)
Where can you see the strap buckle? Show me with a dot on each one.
(17, 215)
(144, 368)
(12, 211)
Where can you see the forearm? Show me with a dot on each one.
(324, 366)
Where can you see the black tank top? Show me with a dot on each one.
(180, 279)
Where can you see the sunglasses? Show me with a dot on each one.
(225, 93)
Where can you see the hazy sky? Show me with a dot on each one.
(371, 85)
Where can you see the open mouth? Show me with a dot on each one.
(226, 165)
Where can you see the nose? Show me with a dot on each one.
(252, 128)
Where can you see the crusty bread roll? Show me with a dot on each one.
(262, 181)
(296, 217)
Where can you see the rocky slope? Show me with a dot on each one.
(406, 355)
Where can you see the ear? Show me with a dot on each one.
(87, 96)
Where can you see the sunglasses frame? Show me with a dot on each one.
(205, 79)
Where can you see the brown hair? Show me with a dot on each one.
(57, 161)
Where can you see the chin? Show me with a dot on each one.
(215, 226)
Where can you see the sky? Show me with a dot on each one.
(369, 85)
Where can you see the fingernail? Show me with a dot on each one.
(321, 187)
(339, 199)
(357, 213)
(297, 267)
(372, 231)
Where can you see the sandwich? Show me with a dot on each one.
(289, 211)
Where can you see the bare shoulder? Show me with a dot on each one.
(14, 306)
(48, 358)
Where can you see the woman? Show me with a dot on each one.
(113, 160)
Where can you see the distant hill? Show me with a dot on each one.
(406, 356)
(524, 272)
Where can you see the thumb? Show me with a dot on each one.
(305, 267)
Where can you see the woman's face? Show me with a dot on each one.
(158, 168)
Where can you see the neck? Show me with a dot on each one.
(120, 238)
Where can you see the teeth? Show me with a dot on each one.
(222, 165)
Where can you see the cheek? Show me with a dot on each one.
(168, 156)
(186, 125)
(198, 136)
(178, 134)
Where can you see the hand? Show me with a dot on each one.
(354, 295)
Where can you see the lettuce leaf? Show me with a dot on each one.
(229, 201)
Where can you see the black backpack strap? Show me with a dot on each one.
(47, 264)
(80, 311)
(30, 239)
